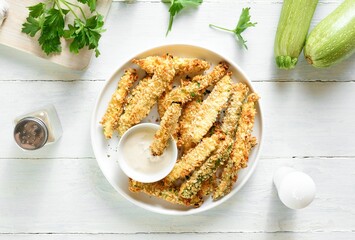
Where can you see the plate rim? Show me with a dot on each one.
(194, 210)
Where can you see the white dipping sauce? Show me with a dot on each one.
(138, 160)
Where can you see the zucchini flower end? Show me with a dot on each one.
(286, 62)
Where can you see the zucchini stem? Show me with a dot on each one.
(309, 60)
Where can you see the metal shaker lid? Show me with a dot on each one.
(31, 133)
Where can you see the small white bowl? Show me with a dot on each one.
(135, 170)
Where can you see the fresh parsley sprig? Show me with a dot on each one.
(176, 6)
(49, 20)
(243, 24)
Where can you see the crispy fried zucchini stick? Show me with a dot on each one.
(188, 114)
(241, 148)
(168, 193)
(192, 186)
(229, 175)
(182, 66)
(232, 114)
(115, 108)
(142, 101)
(167, 127)
(195, 88)
(193, 159)
(210, 109)
(206, 187)
(142, 84)
(198, 85)
(162, 103)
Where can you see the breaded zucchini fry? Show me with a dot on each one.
(182, 66)
(229, 175)
(186, 66)
(168, 193)
(241, 148)
(193, 159)
(192, 186)
(142, 101)
(198, 85)
(244, 130)
(232, 114)
(168, 125)
(206, 187)
(188, 114)
(162, 103)
(210, 109)
(115, 108)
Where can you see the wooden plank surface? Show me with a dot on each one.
(129, 32)
(72, 196)
(301, 119)
(206, 236)
(11, 35)
(60, 192)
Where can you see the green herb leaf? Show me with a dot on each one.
(85, 34)
(90, 3)
(52, 31)
(176, 6)
(37, 10)
(31, 27)
(49, 20)
(243, 24)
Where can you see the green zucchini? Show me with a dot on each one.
(294, 22)
(333, 39)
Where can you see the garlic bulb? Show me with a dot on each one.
(4, 8)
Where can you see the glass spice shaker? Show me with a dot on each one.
(38, 128)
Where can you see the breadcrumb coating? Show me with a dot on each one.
(168, 193)
(192, 186)
(182, 66)
(244, 131)
(241, 148)
(141, 102)
(114, 110)
(209, 110)
(167, 127)
(207, 187)
(162, 103)
(187, 116)
(232, 114)
(198, 85)
(193, 159)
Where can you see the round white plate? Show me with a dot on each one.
(106, 150)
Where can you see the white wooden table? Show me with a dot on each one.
(60, 193)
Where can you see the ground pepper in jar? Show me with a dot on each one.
(37, 129)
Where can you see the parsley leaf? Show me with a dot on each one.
(37, 10)
(31, 27)
(90, 3)
(52, 31)
(176, 6)
(85, 34)
(243, 24)
(49, 20)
